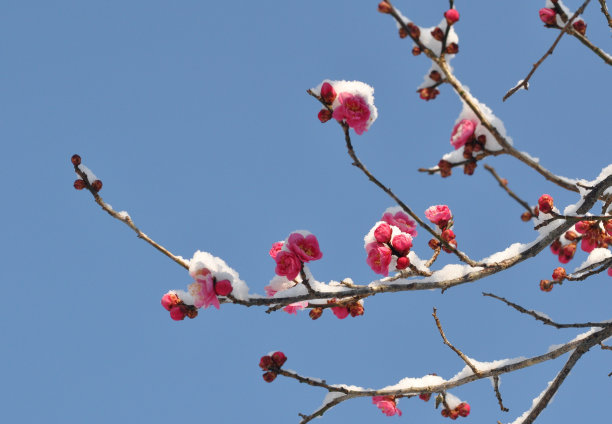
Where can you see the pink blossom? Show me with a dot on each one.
(270, 291)
(439, 215)
(203, 292)
(288, 264)
(402, 243)
(582, 226)
(276, 247)
(169, 300)
(379, 258)
(340, 311)
(462, 133)
(293, 308)
(382, 233)
(223, 287)
(402, 221)
(451, 16)
(328, 94)
(548, 16)
(610, 271)
(588, 244)
(402, 262)
(354, 110)
(387, 405)
(177, 313)
(306, 248)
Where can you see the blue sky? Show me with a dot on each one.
(195, 117)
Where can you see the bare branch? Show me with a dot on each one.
(449, 344)
(504, 185)
(498, 394)
(604, 10)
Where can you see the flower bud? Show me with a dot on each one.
(415, 31)
(324, 115)
(269, 376)
(437, 34)
(555, 247)
(453, 414)
(178, 313)
(223, 287)
(468, 168)
(435, 76)
(416, 50)
(279, 359)
(570, 235)
(265, 362)
(546, 285)
(579, 26)
(401, 244)
(403, 33)
(169, 300)
(340, 312)
(191, 312)
(356, 309)
(451, 16)
(382, 233)
(328, 94)
(79, 184)
(448, 235)
(464, 409)
(428, 93)
(425, 396)
(433, 244)
(96, 185)
(384, 7)
(526, 216)
(452, 243)
(559, 274)
(548, 16)
(445, 412)
(446, 168)
(452, 48)
(315, 313)
(582, 226)
(76, 160)
(403, 262)
(545, 203)
(567, 253)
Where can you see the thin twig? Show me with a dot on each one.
(604, 10)
(478, 157)
(433, 257)
(605, 347)
(505, 187)
(498, 394)
(524, 83)
(449, 344)
(599, 52)
(127, 220)
(572, 218)
(546, 320)
(592, 270)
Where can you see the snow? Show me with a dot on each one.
(220, 270)
(416, 383)
(597, 255)
(123, 215)
(467, 113)
(509, 252)
(334, 395)
(520, 419)
(575, 339)
(90, 175)
(450, 272)
(485, 366)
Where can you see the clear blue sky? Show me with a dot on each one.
(194, 115)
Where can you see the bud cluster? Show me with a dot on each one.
(463, 135)
(441, 216)
(177, 308)
(290, 255)
(461, 410)
(353, 308)
(80, 184)
(272, 364)
(549, 17)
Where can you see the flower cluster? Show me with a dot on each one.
(271, 364)
(80, 184)
(177, 308)
(388, 243)
(461, 410)
(463, 135)
(290, 255)
(549, 17)
(387, 404)
(351, 102)
(443, 218)
(590, 234)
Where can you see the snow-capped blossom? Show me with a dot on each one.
(382, 233)
(439, 215)
(548, 16)
(203, 292)
(270, 291)
(169, 300)
(287, 264)
(402, 262)
(293, 308)
(452, 16)
(340, 311)
(305, 247)
(328, 94)
(354, 110)
(276, 247)
(462, 133)
(401, 220)
(402, 243)
(387, 404)
(379, 258)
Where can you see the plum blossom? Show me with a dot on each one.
(462, 133)
(340, 312)
(439, 215)
(379, 258)
(548, 16)
(354, 110)
(203, 291)
(402, 243)
(387, 404)
(276, 247)
(293, 308)
(306, 248)
(287, 264)
(401, 220)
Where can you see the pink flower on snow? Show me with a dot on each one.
(293, 308)
(203, 292)
(387, 405)
(306, 248)
(276, 247)
(288, 264)
(270, 291)
(402, 221)
(379, 258)
(462, 133)
(354, 110)
(439, 215)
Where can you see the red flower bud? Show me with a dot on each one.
(445, 168)
(328, 94)
(555, 247)
(178, 313)
(452, 48)
(582, 226)
(269, 376)
(169, 300)
(265, 362)
(79, 184)
(403, 33)
(579, 26)
(545, 203)
(279, 359)
(468, 168)
(452, 243)
(382, 233)
(570, 235)
(451, 16)
(567, 253)
(425, 396)
(384, 7)
(96, 185)
(559, 274)
(526, 216)
(76, 160)
(437, 34)
(403, 262)
(428, 93)
(453, 414)
(435, 76)
(445, 412)
(415, 31)
(546, 285)
(464, 409)
(356, 309)
(548, 16)
(191, 312)
(433, 243)
(324, 115)
(448, 235)
(401, 244)
(223, 287)
(416, 50)
(315, 313)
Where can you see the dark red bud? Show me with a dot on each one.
(269, 376)
(76, 160)
(96, 185)
(79, 184)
